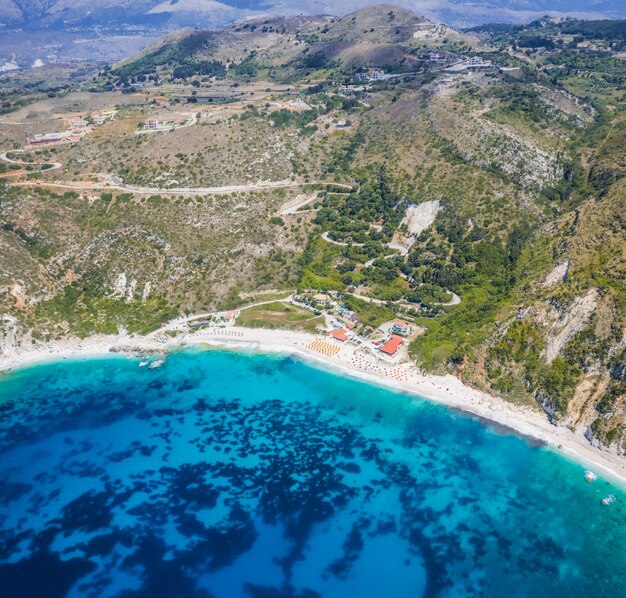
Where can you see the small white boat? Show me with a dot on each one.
(156, 364)
(590, 476)
(143, 364)
(609, 499)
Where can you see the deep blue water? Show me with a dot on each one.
(224, 474)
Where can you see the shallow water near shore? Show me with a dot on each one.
(229, 474)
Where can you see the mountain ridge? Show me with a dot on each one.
(107, 30)
(46, 13)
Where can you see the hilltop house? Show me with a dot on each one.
(477, 61)
(401, 327)
(63, 137)
(351, 89)
(372, 75)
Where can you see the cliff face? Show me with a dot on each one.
(570, 341)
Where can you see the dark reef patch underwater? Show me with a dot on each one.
(223, 474)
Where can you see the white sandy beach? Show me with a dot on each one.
(405, 378)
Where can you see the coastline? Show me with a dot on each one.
(405, 378)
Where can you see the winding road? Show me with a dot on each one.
(5, 158)
(292, 208)
(104, 186)
(340, 243)
(455, 299)
(401, 248)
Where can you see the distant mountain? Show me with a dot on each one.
(287, 47)
(120, 13)
(115, 28)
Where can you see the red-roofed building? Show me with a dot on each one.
(341, 334)
(392, 345)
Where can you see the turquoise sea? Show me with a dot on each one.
(224, 474)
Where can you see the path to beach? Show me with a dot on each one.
(353, 361)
